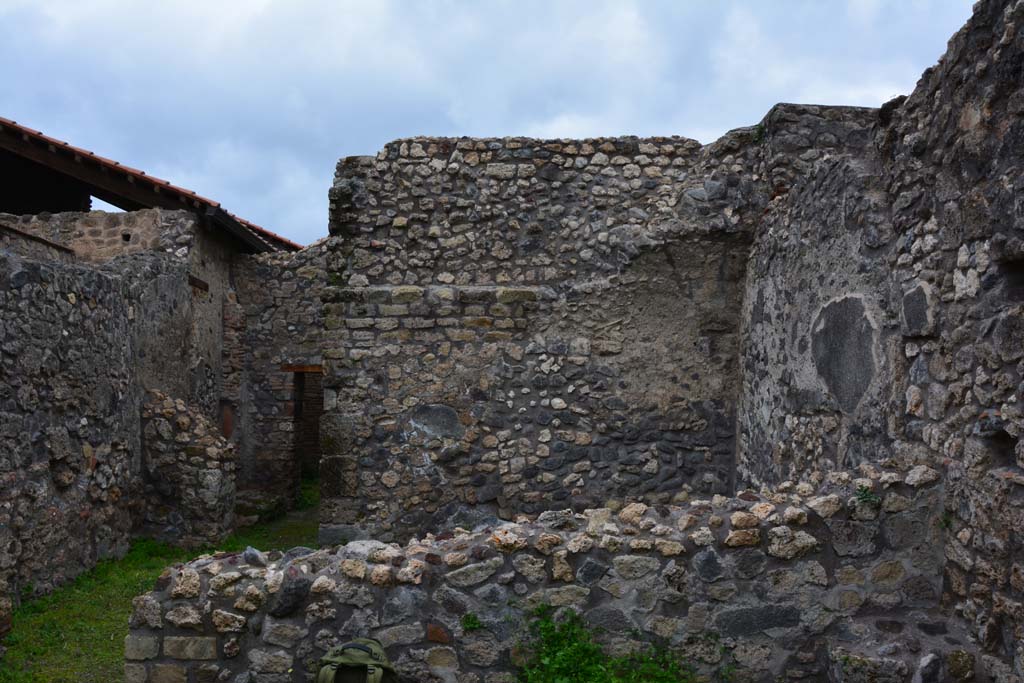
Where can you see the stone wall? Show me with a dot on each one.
(188, 475)
(99, 236)
(181, 335)
(782, 584)
(274, 327)
(30, 245)
(81, 343)
(523, 324)
(953, 162)
(821, 340)
(69, 436)
(883, 316)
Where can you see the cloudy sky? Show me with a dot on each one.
(251, 102)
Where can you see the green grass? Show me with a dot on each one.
(564, 651)
(76, 634)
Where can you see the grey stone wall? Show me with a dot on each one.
(29, 245)
(821, 330)
(779, 585)
(69, 436)
(274, 320)
(99, 236)
(953, 163)
(523, 324)
(188, 475)
(883, 317)
(81, 343)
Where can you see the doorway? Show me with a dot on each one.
(309, 406)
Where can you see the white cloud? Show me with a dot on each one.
(864, 12)
(251, 102)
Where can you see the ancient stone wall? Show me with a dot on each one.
(274, 327)
(188, 475)
(81, 342)
(522, 324)
(29, 245)
(69, 436)
(763, 586)
(181, 335)
(883, 317)
(953, 162)
(99, 236)
(821, 340)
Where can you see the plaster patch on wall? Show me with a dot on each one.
(843, 346)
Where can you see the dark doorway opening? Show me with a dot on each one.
(309, 406)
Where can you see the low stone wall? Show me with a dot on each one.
(188, 472)
(761, 585)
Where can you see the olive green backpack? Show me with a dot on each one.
(361, 661)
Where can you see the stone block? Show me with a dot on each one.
(141, 647)
(134, 673)
(511, 295)
(406, 294)
(190, 647)
(852, 539)
(747, 621)
(168, 673)
(267, 662)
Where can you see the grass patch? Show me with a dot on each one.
(564, 651)
(76, 634)
(309, 494)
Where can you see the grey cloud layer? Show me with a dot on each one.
(251, 102)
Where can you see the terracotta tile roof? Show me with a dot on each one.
(162, 189)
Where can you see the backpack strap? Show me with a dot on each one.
(374, 669)
(327, 673)
(374, 674)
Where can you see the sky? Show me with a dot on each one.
(252, 102)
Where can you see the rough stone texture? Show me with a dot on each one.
(69, 423)
(188, 474)
(14, 240)
(98, 236)
(521, 324)
(827, 307)
(80, 345)
(924, 229)
(766, 616)
(273, 320)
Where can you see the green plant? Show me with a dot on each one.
(564, 651)
(471, 622)
(866, 496)
(76, 634)
(309, 494)
(759, 132)
(727, 671)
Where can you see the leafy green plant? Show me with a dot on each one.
(564, 651)
(866, 496)
(471, 622)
